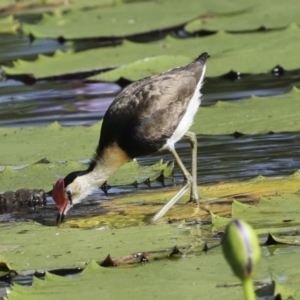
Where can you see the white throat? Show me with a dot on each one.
(111, 160)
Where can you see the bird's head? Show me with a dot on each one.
(65, 193)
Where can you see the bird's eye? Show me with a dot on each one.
(69, 195)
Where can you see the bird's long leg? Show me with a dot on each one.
(182, 191)
(191, 136)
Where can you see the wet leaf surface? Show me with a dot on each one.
(141, 282)
(274, 240)
(228, 52)
(118, 20)
(75, 247)
(8, 25)
(127, 18)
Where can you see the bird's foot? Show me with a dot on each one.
(200, 206)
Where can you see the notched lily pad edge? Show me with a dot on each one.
(90, 76)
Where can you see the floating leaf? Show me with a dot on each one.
(28, 145)
(218, 221)
(255, 14)
(119, 20)
(37, 175)
(286, 292)
(281, 210)
(45, 175)
(251, 116)
(134, 172)
(9, 25)
(228, 51)
(75, 247)
(274, 240)
(145, 67)
(134, 282)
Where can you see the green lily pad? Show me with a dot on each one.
(94, 244)
(281, 214)
(228, 51)
(145, 67)
(251, 116)
(117, 18)
(286, 291)
(76, 247)
(281, 210)
(44, 175)
(274, 240)
(9, 25)
(275, 14)
(21, 146)
(219, 221)
(121, 19)
(285, 280)
(134, 172)
(143, 282)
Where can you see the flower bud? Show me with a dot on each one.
(241, 248)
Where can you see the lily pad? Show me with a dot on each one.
(76, 247)
(274, 240)
(286, 291)
(251, 116)
(255, 14)
(281, 211)
(9, 25)
(21, 146)
(181, 278)
(139, 174)
(255, 115)
(42, 175)
(122, 19)
(145, 67)
(228, 51)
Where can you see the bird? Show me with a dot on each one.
(148, 116)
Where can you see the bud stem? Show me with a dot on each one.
(248, 289)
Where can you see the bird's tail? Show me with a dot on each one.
(202, 57)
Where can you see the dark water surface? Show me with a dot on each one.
(76, 102)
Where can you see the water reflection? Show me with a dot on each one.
(76, 102)
(224, 158)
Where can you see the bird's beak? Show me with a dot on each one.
(58, 195)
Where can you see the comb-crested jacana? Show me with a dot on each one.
(149, 115)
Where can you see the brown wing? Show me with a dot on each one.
(157, 105)
(145, 114)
